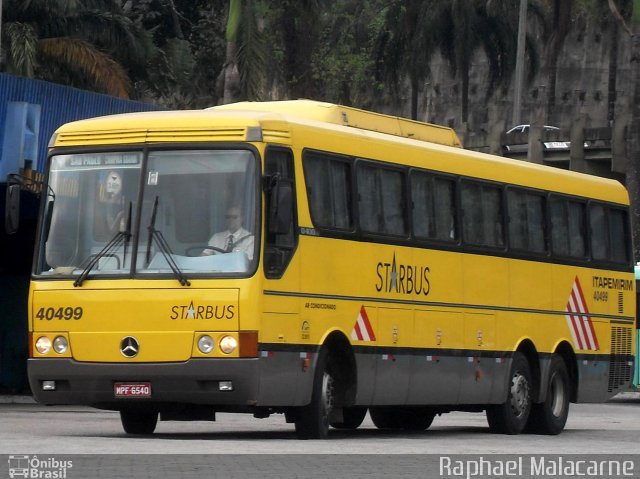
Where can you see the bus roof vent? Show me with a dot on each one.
(352, 117)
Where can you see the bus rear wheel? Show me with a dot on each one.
(352, 418)
(398, 417)
(550, 416)
(312, 421)
(511, 416)
(137, 421)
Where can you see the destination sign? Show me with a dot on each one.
(119, 159)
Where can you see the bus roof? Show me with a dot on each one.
(353, 117)
(347, 130)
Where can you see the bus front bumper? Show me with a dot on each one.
(224, 382)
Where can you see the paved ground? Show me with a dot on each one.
(239, 446)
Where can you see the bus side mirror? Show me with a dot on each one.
(12, 209)
(280, 208)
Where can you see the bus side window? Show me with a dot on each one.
(279, 244)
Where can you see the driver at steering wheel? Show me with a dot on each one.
(235, 238)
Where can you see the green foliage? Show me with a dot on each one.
(252, 49)
(77, 42)
(179, 52)
(22, 51)
(342, 64)
(208, 44)
(235, 15)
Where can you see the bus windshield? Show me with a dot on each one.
(192, 211)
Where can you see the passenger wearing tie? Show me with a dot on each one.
(235, 238)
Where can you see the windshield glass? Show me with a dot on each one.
(198, 214)
(92, 197)
(201, 205)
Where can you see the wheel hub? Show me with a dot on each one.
(519, 395)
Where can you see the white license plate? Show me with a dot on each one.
(125, 390)
(557, 144)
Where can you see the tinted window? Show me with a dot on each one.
(567, 227)
(434, 207)
(482, 214)
(609, 233)
(280, 239)
(381, 200)
(526, 221)
(599, 232)
(619, 235)
(329, 191)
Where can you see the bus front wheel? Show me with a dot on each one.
(312, 421)
(511, 416)
(136, 421)
(550, 416)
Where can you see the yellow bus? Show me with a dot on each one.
(320, 261)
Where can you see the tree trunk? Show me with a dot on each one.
(175, 20)
(231, 75)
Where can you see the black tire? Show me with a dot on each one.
(511, 416)
(352, 418)
(312, 421)
(399, 417)
(137, 421)
(550, 416)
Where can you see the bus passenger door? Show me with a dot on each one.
(282, 380)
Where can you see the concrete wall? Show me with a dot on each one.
(584, 89)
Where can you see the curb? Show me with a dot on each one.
(16, 399)
(626, 395)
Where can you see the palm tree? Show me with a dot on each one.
(299, 25)
(467, 25)
(342, 63)
(415, 29)
(81, 43)
(243, 73)
(405, 45)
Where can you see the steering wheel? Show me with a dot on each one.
(200, 249)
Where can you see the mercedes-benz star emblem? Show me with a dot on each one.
(129, 347)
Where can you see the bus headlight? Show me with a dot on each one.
(60, 344)
(228, 344)
(205, 344)
(43, 345)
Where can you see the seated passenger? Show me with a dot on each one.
(235, 238)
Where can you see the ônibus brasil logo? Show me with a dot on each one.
(41, 468)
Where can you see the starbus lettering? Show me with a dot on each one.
(218, 311)
(402, 278)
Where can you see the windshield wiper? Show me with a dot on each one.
(118, 238)
(163, 246)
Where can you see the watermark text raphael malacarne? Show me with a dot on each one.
(537, 466)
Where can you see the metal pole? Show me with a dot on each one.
(522, 37)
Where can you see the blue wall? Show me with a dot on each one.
(58, 105)
(43, 107)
